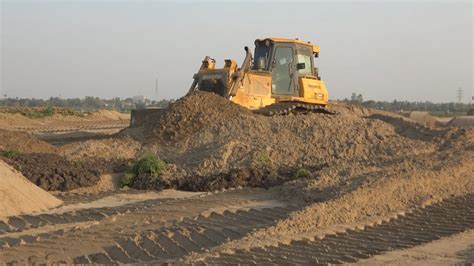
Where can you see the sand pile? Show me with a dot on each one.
(19, 196)
(107, 115)
(424, 118)
(23, 142)
(60, 117)
(17, 120)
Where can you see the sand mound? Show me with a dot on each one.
(12, 120)
(19, 196)
(61, 117)
(101, 115)
(23, 142)
(424, 118)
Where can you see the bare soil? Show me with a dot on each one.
(53, 172)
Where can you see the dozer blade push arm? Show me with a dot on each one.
(241, 73)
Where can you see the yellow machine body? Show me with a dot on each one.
(281, 70)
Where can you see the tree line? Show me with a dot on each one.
(407, 106)
(89, 103)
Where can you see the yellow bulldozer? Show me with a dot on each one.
(280, 78)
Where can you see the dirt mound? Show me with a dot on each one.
(19, 196)
(190, 114)
(205, 134)
(424, 118)
(108, 115)
(108, 149)
(23, 142)
(53, 172)
(31, 119)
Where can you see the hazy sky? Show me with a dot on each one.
(384, 50)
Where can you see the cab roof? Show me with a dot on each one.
(315, 48)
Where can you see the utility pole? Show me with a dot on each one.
(460, 95)
(156, 90)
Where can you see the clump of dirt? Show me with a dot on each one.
(253, 176)
(24, 142)
(54, 172)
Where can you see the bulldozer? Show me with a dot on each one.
(280, 78)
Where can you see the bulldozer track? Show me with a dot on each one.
(169, 228)
(421, 226)
(284, 108)
(172, 242)
(18, 224)
(197, 234)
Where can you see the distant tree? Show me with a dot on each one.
(353, 97)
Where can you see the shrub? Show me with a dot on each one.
(263, 158)
(148, 165)
(10, 153)
(40, 113)
(301, 173)
(126, 180)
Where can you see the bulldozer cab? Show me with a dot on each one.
(286, 60)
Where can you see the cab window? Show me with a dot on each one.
(308, 67)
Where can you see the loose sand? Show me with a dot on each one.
(18, 195)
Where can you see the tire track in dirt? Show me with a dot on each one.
(197, 234)
(421, 226)
(51, 129)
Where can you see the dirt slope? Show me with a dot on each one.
(23, 142)
(18, 195)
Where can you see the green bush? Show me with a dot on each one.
(40, 113)
(126, 179)
(149, 165)
(263, 157)
(10, 153)
(301, 173)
